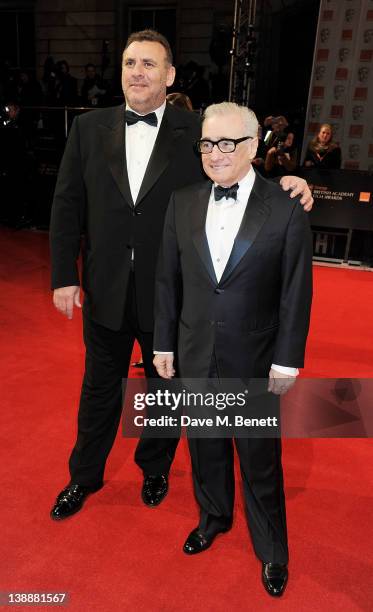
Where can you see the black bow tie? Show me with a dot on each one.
(225, 192)
(150, 118)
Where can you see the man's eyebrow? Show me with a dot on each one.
(143, 59)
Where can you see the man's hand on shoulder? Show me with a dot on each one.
(280, 383)
(65, 298)
(298, 186)
(164, 364)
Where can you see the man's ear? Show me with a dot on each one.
(171, 73)
(253, 147)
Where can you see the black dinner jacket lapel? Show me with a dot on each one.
(198, 228)
(256, 214)
(113, 135)
(170, 130)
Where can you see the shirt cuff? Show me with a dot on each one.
(285, 370)
(278, 368)
(163, 352)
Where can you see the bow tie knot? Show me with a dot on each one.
(225, 192)
(132, 118)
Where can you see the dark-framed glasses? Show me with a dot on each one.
(225, 145)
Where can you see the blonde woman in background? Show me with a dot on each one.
(322, 152)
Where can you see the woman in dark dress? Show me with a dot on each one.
(322, 152)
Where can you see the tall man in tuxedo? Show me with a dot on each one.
(242, 252)
(119, 168)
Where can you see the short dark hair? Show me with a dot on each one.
(151, 36)
(180, 100)
(62, 63)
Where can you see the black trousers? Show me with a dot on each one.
(262, 478)
(108, 355)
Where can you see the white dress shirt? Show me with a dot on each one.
(140, 141)
(223, 221)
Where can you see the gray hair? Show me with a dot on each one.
(228, 108)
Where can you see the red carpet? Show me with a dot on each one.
(119, 555)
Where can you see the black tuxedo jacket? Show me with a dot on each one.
(258, 313)
(93, 198)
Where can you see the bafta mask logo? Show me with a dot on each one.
(324, 35)
(320, 73)
(363, 74)
(335, 127)
(343, 54)
(368, 36)
(315, 111)
(354, 151)
(339, 91)
(357, 111)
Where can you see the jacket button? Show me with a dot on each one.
(219, 291)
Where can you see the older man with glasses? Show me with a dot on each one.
(241, 250)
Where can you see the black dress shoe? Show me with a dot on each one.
(275, 577)
(154, 489)
(197, 541)
(70, 501)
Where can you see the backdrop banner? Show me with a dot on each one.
(341, 86)
(343, 199)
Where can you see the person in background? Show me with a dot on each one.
(13, 110)
(93, 88)
(48, 81)
(29, 90)
(281, 159)
(275, 128)
(16, 165)
(180, 100)
(66, 86)
(195, 85)
(322, 151)
(259, 159)
(29, 94)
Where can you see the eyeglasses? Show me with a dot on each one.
(225, 145)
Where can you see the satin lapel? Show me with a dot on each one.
(161, 154)
(256, 214)
(114, 145)
(198, 228)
